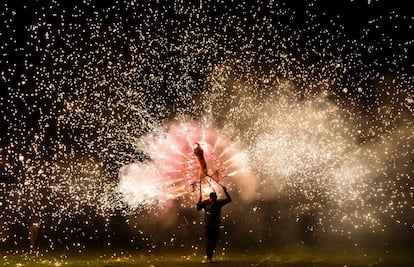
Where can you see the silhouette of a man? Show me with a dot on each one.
(212, 210)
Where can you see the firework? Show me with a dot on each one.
(101, 105)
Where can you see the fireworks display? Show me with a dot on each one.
(303, 110)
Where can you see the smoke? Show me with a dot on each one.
(307, 156)
(141, 185)
(314, 158)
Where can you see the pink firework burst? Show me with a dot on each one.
(172, 169)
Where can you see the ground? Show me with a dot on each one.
(240, 259)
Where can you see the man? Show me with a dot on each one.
(212, 209)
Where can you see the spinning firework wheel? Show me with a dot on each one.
(215, 171)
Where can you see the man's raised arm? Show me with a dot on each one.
(228, 197)
(199, 204)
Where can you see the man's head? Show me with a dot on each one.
(213, 196)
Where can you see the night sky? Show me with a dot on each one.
(304, 108)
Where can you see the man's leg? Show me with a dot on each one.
(209, 244)
(212, 238)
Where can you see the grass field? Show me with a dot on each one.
(242, 259)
